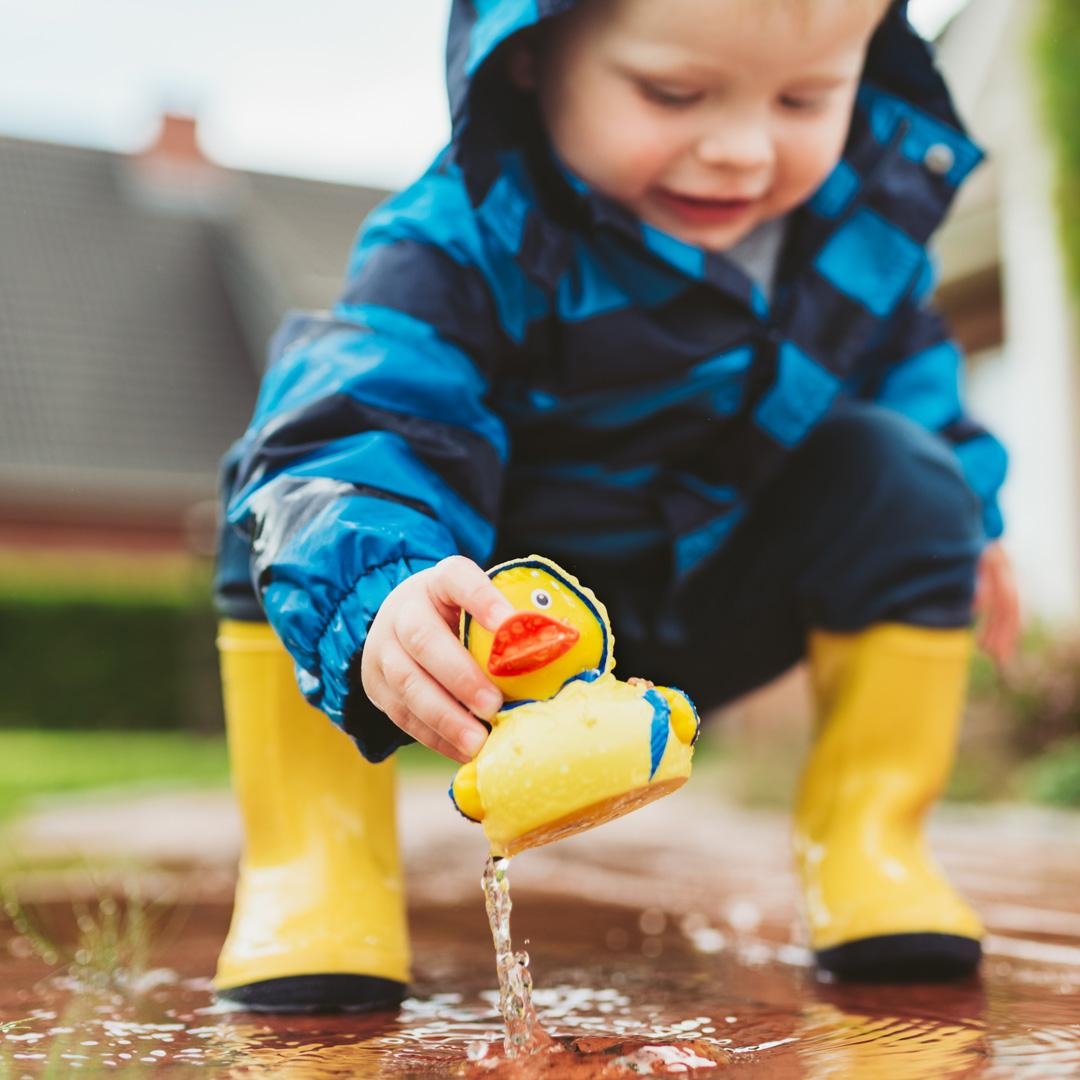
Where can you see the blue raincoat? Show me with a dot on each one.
(516, 361)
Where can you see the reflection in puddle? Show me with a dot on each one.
(835, 1043)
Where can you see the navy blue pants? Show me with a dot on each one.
(870, 520)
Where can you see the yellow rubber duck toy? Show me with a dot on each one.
(572, 746)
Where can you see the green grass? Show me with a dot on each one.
(1054, 776)
(41, 763)
(66, 578)
(415, 758)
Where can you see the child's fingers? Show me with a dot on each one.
(1005, 625)
(460, 584)
(427, 735)
(436, 648)
(1010, 628)
(1000, 633)
(414, 691)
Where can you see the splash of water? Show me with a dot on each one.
(523, 1033)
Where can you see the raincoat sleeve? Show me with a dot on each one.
(374, 451)
(922, 377)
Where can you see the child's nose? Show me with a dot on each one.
(744, 145)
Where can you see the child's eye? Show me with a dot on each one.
(800, 104)
(661, 96)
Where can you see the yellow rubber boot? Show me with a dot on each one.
(319, 920)
(890, 701)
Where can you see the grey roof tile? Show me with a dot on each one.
(127, 348)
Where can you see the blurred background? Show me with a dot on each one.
(174, 176)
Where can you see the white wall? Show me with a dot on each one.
(1028, 392)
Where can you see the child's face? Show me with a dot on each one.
(703, 117)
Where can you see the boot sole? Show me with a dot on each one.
(902, 958)
(316, 994)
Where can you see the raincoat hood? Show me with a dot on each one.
(488, 114)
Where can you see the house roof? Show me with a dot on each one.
(132, 327)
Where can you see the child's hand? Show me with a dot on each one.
(997, 604)
(416, 670)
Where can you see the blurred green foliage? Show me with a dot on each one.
(114, 645)
(66, 762)
(1040, 697)
(1054, 776)
(1057, 63)
(1022, 736)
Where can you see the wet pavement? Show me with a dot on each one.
(675, 928)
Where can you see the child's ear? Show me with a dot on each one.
(521, 63)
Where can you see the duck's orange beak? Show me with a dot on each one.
(527, 641)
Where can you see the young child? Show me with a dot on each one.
(658, 312)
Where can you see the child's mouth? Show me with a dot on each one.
(697, 211)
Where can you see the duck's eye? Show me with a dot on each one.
(541, 599)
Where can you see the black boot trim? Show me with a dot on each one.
(316, 994)
(903, 958)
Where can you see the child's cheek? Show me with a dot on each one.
(644, 154)
(609, 159)
(807, 162)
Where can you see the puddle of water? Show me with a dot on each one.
(528, 1046)
(638, 938)
(621, 992)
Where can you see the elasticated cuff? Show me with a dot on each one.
(375, 734)
(339, 650)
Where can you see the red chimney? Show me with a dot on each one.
(177, 141)
(173, 173)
